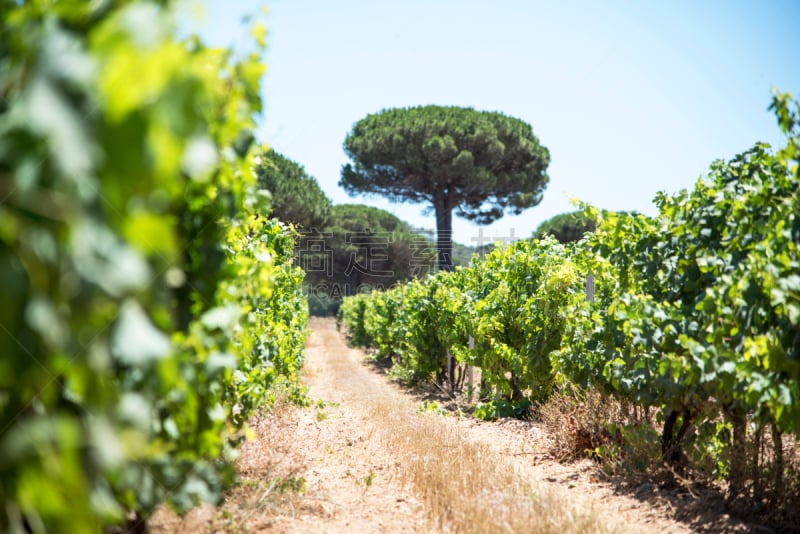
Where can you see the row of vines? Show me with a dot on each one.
(147, 307)
(693, 314)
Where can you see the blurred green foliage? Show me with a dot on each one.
(566, 227)
(296, 196)
(343, 249)
(146, 307)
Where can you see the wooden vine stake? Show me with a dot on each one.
(470, 377)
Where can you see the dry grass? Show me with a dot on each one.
(588, 424)
(465, 486)
(577, 427)
(626, 441)
(269, 487)
(270, 475)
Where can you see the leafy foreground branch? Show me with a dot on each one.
(147, 308)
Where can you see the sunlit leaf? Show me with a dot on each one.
(135, 341)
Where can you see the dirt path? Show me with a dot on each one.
(350, 456)
(347, 470)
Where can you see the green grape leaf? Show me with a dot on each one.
(135, 341)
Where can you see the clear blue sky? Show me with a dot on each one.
(630, 97)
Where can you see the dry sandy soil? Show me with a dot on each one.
(342, 466)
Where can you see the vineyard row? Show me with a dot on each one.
(695, 314)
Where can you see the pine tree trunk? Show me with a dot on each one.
(444, 230)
